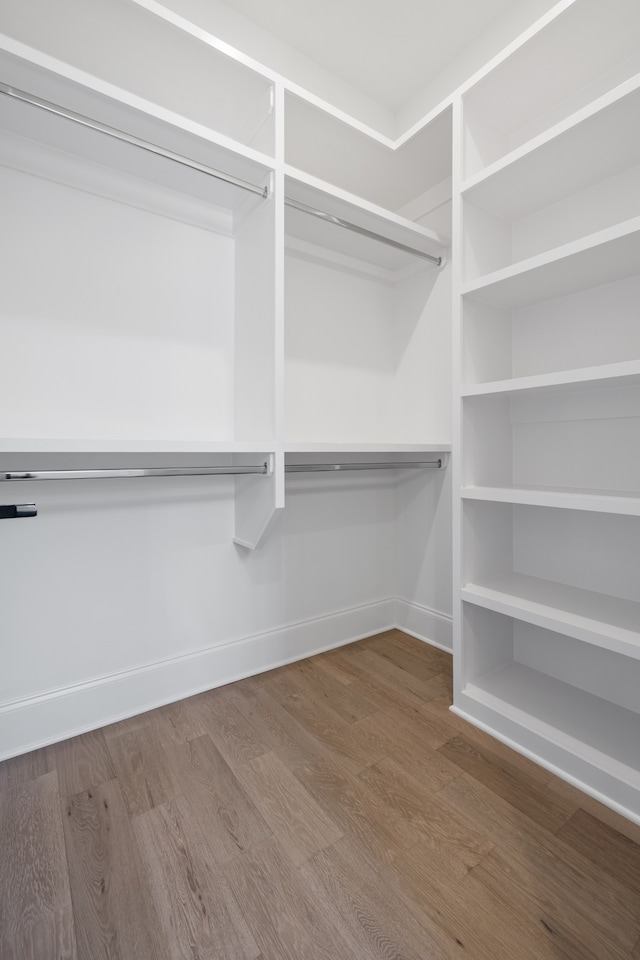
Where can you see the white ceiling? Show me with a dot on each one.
(387, 49)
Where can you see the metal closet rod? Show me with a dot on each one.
(338, 467)
(262, 469)
(126, 473)
(83, 121)
(347, 225)
(263, 192)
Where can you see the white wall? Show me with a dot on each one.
(124, 594)
(121, 595)
(504, 29)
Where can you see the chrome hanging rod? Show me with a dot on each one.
(80, 119)
(126, 473)
(339, 467)
(339, 222)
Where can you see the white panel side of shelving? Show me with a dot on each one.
(461, 668)
(254, 347)
(487, 541)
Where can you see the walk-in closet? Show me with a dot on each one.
(319, 419)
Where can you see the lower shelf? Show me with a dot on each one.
(588, 726)
(581, 737)
(608, 622)
(571, 706)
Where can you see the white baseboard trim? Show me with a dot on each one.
(426, 624)
(59, 714)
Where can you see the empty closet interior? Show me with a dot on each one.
(275, 380)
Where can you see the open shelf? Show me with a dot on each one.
(566, 159)
(553, 342)
(589, 727)
(626, 373)
(126, 294)
(207, 87)
(603, 257)
(600, 501)
(61, 149)
(611, 623)
(346, 448)
(334, 202)
(517, 101)
(569, 703)
(362, 161)
(142, 445)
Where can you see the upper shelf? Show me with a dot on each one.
(341, 449)
(158, 61)
(336, 149)
(625, 373)
(390, 228)
(516, 101)
(566, 159)
(141, 445)
(602, 257)
(49, 144)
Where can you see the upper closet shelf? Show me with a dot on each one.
(585, 52)
(600, 258)
(566, 159)
(142, 445)
(372, 234)
(626, 373)
(75, 134)
(600, 501)
(367, 448)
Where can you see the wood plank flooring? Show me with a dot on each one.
(332, 809)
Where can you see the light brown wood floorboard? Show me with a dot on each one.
(329, 809)
(36, 918)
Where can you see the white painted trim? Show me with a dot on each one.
(393, 143)
(37, 721)
(34, 722)
(553, 768)
(424, 623)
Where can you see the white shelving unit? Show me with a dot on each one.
(144, 296)
(354, 301)
(547, 636)
(138, 291)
